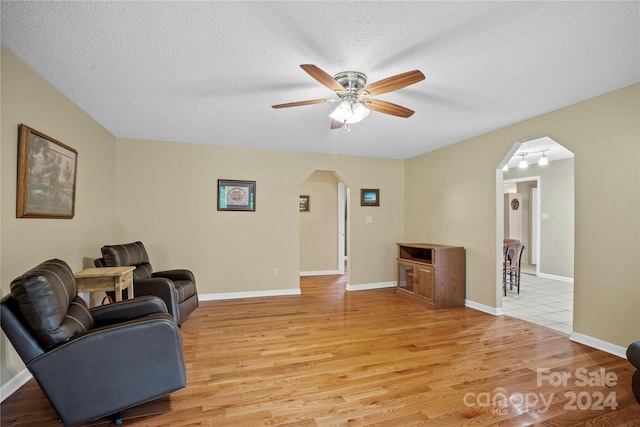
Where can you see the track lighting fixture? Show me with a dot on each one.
(543, 160)
(523, 163)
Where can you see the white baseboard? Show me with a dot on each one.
(369, 286)
(249, 294)
(574, 336)
(554, 277)
(319, 273)
(14, 384)
(616, 350)
(482, 307)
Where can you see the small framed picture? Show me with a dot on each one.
(235, 195)
(46, 176)
(369, 197)
(304, 203)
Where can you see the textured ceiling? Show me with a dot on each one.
(208, 72)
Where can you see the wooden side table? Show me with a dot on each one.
(105, 279)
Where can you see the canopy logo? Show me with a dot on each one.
(501, 402)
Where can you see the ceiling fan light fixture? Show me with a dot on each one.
(359, 112)
(346, 113)
(342, 112)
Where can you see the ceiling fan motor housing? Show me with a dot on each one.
(352, 81)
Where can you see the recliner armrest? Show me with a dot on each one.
(177, 274)
(160, 287)
(633, 354)
(126, 310)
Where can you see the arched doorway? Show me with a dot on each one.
(323, 224)
(544, 222)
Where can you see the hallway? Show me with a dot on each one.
(541, 301)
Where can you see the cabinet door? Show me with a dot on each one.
(426, 282)
(406, 276)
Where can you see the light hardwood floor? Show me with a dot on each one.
(368, 358)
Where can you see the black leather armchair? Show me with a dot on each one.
(91, 363)
(633, 356)
(177, 288)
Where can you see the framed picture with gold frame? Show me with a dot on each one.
(46, 176)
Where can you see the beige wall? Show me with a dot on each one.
(166, 197)
(557, 201)
(448, 191)
(319, 226)
(28, 99)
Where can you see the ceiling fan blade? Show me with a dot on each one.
(323, 77)
(300, 103)
(336, 124)
(393, 83)
(387, 108)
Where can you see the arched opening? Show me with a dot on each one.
(538, 210)
(323, 224)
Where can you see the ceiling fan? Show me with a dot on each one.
(354, 95)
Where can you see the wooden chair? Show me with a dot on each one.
(511, 266)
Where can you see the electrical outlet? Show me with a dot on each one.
(275, 272)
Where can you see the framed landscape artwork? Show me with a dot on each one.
(46, 176)
(369, 197)
(235, 195)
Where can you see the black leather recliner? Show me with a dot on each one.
(633, 356)
(91, 363)
(177, 288)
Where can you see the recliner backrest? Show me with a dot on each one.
(133, 254)
(47, 297)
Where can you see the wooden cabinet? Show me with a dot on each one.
(432, 275)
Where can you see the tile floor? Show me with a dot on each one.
(541, 301)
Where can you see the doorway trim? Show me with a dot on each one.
(342, 225)
(535, 214)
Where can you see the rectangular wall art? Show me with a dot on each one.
(46, 176)
(304, 203)
(369, 197)
(234, 195)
